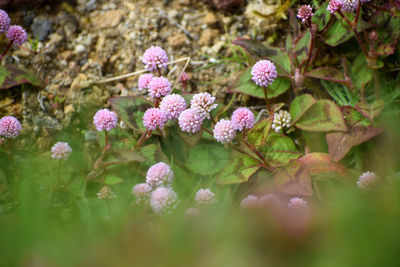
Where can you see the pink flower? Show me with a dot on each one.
(163, 200)
(298, 203)
(249, 202)
(189, 121)
(349, 5)
(144, 81)
(269, 200)
(368, 180)
(60, 150)
(153, 118)
(204, 196)
(334, 5)
(304, 13)
(9, 127)
(173, 105)
(243, 118)
(155, 57)
(264, 73)
(16, 34)
(4, 21)
(159, 86)
(184, 77)
(159, 174)
(105, 119)
(142, 192)
(224, 131)
(203, 103)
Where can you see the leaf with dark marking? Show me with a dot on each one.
(295, 180)
(371, 111)
(239, 170)
(11, 76)
(300, 105)
(259, 133)
(318, 163)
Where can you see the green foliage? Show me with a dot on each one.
(239, 170)
(11, 76)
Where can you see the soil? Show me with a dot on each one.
(98, 39)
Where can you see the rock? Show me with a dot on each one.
(65, 55)
(69, 109)
(210, 19)
(207, 37)
(41, 27)
(80, 48)
(107, 19)
(177, 40)
(79, 82)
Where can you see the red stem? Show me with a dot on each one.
(6, 50)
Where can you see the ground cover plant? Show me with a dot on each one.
(296, 166)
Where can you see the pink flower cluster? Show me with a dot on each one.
(144, 81)
(368, 180)
(163, 200)
(159, 174)
(190, 121)
(298, 203)
(159, 86)
(16, 34)
(105, 119)
(264, 73)
(155, 57)
(142, 192)
(203, 104)
(204, 196)
(304, 13)
(243, 118)
(60, 150)
(224, 131)
(153, 118)
(9, 127)
(251, 201)
(173, 105)
(4, 21)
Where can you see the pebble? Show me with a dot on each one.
(80, 48)
(41, 27)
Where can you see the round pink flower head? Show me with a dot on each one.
(159, 86)
(298, 203)
(9, 127)
(105, 119)
(243, 118)
(142, 192)
(203, 103)
(163, 200)
(304, 13)
(4, 21)
(159, 174)
(153, 118)
(204, 196)
(105, 193)
(16, 34)
(173, 105)
(184, 77)
(60, 150)
(349, 5)
(249, 202)
(155, 57)
(368, 180)
(224, 131)
(144, 81)
(264, 73)
(190, 121)
(334, 5)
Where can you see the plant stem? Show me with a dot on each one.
(105, 139)
(143, 139)
(266, 100)
(311, 49)
(208, 131)
(6, 50)
(254, 150)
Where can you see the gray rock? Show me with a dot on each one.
(41, 28)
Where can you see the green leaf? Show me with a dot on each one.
(130, 110)
(372, 110)
(302, 46)
(352, 117)
(207, 159)
(128, 155)
(323, 116)
(191, 139)
(300, 105)
(294, 180)
(279, 150)
(245, 85)
(259, 133)
(239, 170)
(337, 34)
(318, 163)
(360, 73)
(321, 16)
(11, 75)
(111, 179)
(329, 74)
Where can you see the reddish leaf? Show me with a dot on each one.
(372, 110)
(11, 76)
(318, 163)
(339, 144)
(329, 74)
(294, 179)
